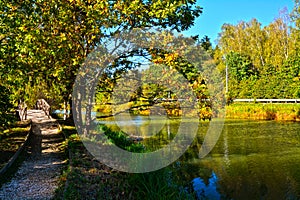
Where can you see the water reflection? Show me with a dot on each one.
(252, 160)
(226, 150)
(136, 125)
(157, 131)
(206, 189)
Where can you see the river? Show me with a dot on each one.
(251, 160)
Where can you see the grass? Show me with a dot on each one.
(122, 140)
(10, 141)
(159, 185)
(13, 169)
(85, 177)
(284, 112)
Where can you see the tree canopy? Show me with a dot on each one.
(43, 43)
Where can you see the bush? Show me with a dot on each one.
(5, 107)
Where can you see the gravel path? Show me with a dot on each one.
(37, 177)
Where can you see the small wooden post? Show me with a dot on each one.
(22, 110)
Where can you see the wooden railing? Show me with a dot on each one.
(22, 111)
(41, 104)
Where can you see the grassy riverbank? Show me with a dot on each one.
(10, 141)
(87, 178)
(260, 111)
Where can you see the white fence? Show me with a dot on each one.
(268, 100)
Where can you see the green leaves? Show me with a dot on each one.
(261, 60)
(240, 66)
(5, 106)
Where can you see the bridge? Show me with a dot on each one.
(41, 104)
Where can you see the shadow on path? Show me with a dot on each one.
(37, 177)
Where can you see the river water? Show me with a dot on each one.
(251, 160)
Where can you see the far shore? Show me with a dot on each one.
(264, 111)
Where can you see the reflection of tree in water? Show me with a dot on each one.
(199, 179)
(248, 162)
(206, 188)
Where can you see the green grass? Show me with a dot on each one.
(10, 141)
(122, 140)
(158, 185)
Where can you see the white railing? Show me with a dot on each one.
(268, 100)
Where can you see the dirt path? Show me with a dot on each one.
(37, 177)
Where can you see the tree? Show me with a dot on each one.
(240, 66)
(5, 107)
(46, 41)
(165, 68)
(296, 14)
(262, 61)
(279, 43)
(205, 43)
(256, 40)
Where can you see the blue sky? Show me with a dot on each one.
(217, 12)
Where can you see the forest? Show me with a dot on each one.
(263, 62)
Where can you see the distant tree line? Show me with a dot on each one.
(263, 62)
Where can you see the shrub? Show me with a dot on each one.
(5, 107)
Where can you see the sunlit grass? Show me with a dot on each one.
(287, 112)
(10, 141)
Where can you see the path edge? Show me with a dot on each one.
(12, 160)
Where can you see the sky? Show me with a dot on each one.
(217, 12)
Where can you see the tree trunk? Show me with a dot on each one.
(65, 109)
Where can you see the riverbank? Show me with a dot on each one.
(87, 178)
(255, 111)
(264, 111)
